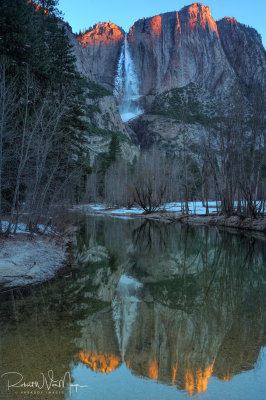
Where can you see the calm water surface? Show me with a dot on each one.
(151, 311)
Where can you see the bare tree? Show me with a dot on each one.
(8, 107)
(151, 181)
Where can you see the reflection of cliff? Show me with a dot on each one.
(241, 346)
(200, 311)
(174, 347)
(99, 362)
(186, 350)
(100, 350)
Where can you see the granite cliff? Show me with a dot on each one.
(244, 50)
(174, 49)
(185, 62)
(103, 116)
(103, 45)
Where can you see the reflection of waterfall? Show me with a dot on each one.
(125, 309)
(127, 85)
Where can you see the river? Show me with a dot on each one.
(151, 311)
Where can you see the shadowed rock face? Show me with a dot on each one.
(103, 45)
(244, 50)
(176, 48)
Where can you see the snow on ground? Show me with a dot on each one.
(22, 228)
(194, 208)
(127, 211)
(24, 261)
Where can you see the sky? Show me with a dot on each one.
(85, 13)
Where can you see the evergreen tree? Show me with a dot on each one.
(114, 149)
(44, 149)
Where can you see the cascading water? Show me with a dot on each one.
(127, 86)
(125, 310)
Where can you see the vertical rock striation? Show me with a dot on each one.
(177, 48)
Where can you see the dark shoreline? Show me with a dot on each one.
(248, 224)
(236, 222)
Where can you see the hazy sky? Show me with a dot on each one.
(86, 13)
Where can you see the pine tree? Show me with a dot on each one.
(114, 148)
(62, 70)
(16, 30)
(35, 47)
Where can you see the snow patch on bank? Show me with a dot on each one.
(24, 261)
(194, 208)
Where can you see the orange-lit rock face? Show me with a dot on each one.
(227, 377)
(189, 378)
(202, 378)
(200, 15)
(153, 370)
(106, 33)
(178, 26)
(189, 381)
(130, 35)
(156, 25)
(99, 362)
(174, 374)
(199, 382)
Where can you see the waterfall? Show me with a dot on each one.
(126, 89)
(125, 310)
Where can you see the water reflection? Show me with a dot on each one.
(167, 303)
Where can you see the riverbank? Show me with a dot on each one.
(29, 260)
(229, 222)
(169, 214)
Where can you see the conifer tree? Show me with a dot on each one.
(44, 151)
(114, 148)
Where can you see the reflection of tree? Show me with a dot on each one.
(39, 327)
(150, 237)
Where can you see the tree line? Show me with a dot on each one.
(43, 159)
